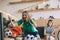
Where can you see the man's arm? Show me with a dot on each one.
(33, 22)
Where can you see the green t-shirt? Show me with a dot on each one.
(27, 26)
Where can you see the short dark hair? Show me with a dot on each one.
(48, 22)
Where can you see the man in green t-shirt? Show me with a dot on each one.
(28, 24)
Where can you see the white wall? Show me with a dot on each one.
(13, 9)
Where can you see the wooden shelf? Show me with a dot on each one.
(42, 9)
(26, 1)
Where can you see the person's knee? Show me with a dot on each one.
(52, 38)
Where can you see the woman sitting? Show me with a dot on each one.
(49, 31)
